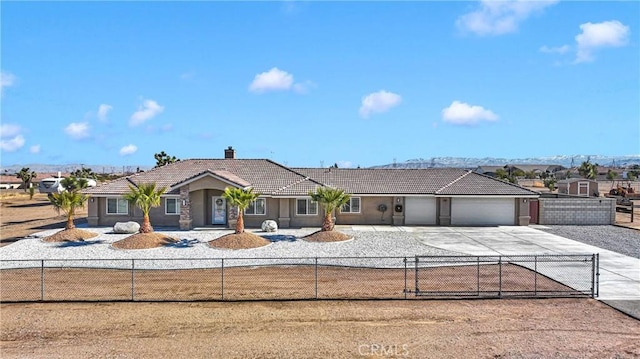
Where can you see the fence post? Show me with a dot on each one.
(316, 276)
(416, 274)
(405, 278)
(478, 275)
(500, 276)
(222, 279)
(593, 275)
(133, 280)
(42, 280)
(597, 274)
(535, 276)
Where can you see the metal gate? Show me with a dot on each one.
(507, 276)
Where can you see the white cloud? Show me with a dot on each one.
(378, 102)
(344, 164)
(148, 110)
(500, 17)
(7, 79)
(460, 113)
(604, 34)
(12, 144)
(558, 50)
(34, 149)
(103, 111)
(9, 130)
(303, 88)
(272, 80)
(77, 130)
(128, 150)
(10, 137)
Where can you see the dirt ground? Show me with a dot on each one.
(541, 328)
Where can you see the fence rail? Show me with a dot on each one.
(233, 279)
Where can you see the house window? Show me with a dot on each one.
(583, 188)
(305, 206)
(172, 206)
(353, 206)
(257, 207)
(117, 206)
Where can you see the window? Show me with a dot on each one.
(305, 206)
(257, 207)
(172, 206)
(353, 206)
(117, 206)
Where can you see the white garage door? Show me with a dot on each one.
(420, 211)
(483, 211)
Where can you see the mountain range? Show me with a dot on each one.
(458, 162)
(470, 162)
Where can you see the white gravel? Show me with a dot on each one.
(287, 248)
(617, 239)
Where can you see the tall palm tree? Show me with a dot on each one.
(242, 198)
(330, 199)
(145, 196)
(68, 202)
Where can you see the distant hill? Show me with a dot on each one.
(471, 163)
(44, 168)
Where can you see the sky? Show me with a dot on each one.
(310, 84)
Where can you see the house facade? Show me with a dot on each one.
(430, 197)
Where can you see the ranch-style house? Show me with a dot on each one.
(425, 197)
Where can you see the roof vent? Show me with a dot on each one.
(230, 153)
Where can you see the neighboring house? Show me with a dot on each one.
(434, 196)
(13, 182)
(579, 187)
(10, 182)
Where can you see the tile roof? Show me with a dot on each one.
(272, 179)
(265, 176)
(384, 180)
(473, 183)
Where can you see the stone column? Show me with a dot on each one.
(186, 222)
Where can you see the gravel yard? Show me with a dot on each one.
(617, 239)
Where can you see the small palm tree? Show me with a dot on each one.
(330, 199)
(68, 202)
(242, 198)
(145, 196)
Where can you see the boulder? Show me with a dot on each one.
(269, 226)
(126, 227)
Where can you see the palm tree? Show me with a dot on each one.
(330, 199)
(145, 196)
(68, 202)
(242, 198)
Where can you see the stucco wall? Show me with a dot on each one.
(581, 211)
(369, 213)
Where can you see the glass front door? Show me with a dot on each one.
(219, 212)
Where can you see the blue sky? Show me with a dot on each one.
(311, 83)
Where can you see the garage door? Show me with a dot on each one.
(420, 211)
(483, 211)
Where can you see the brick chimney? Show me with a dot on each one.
(230, 153)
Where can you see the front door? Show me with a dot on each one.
(219, 211)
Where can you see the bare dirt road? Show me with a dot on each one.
(543, 328)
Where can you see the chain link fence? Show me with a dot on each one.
(239, 279)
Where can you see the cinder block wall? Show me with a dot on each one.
(585, 211)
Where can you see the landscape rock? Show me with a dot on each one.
(126, 227)
(269, 226)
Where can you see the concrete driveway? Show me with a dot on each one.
(619, 274)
